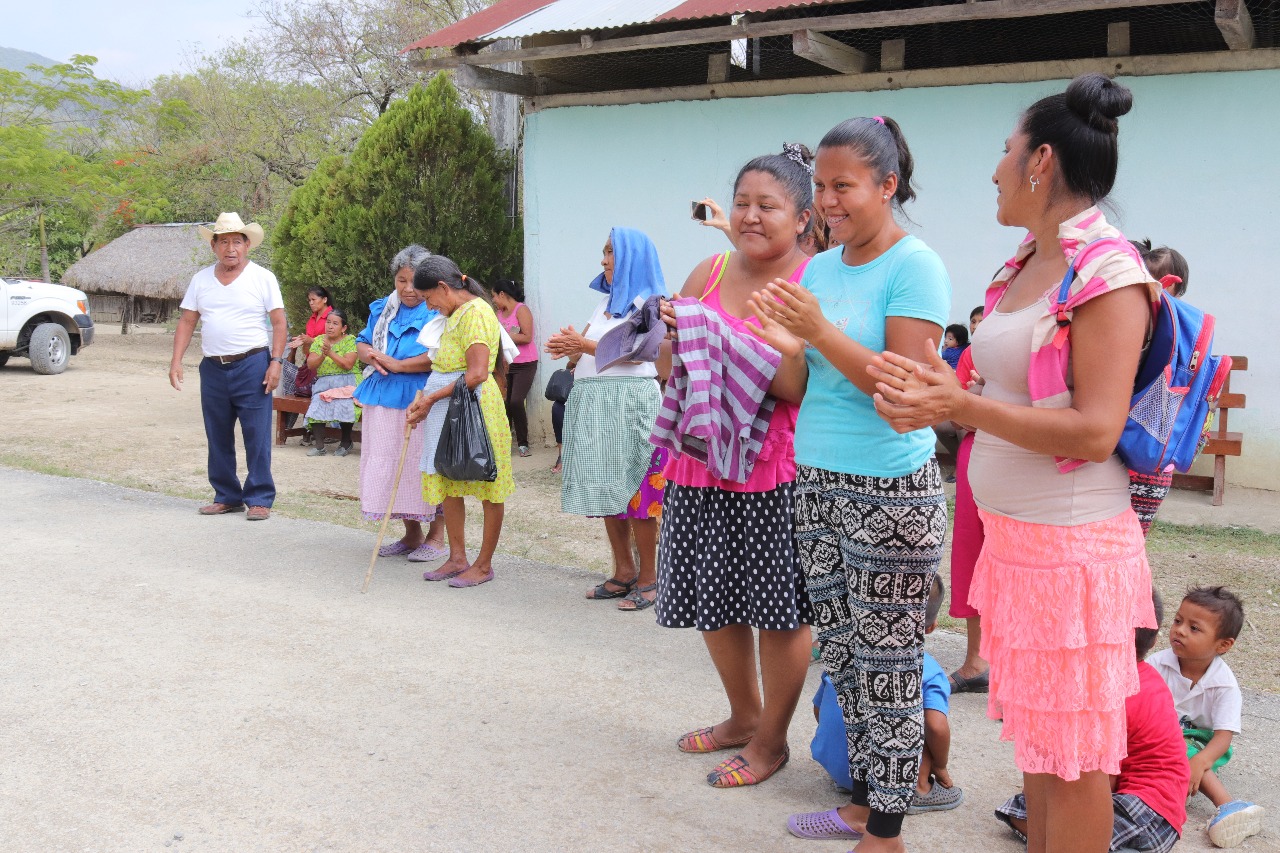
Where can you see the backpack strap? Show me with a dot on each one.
(717, 273)
(1064, 290)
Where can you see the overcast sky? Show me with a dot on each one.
(134, 40)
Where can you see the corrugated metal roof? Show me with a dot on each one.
(523, 18)
(693, 9)
(477, 27)
(576, 15)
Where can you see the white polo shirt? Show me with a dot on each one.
(234, 317)
(1214, 702)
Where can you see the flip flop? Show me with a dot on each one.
(703, 740)
(737, 773)
(602, 590)
(426, 553)
(974, 684)
(395, 549)
(821, 826)
(638, 601)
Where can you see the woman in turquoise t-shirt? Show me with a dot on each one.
(871, 516)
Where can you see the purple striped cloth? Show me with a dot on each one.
(717, 405)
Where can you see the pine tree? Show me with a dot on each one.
(425, 172)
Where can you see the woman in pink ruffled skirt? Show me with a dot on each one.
(1062, 580)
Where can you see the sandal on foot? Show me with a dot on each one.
(395, 549)
(821, 826)
(427, 553)
(602, 590)
(737, 773)
(973, 684)
(704, 740)
(637, 600)
(939, 799)
(440, 575)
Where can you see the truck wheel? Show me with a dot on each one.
(4, 358)
(49, 349)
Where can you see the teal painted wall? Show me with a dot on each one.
(1197, 172)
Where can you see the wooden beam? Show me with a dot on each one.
(525, 85)
(926, 78)
(893, 55)
(718, 68)
(826, 51)
(1235, 24)
(990, 10)
(1118, 38)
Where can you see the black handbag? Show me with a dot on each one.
(559, 386)
(465, 452)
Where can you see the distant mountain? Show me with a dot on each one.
(12, 59)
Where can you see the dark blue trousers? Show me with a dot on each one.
(231, 392)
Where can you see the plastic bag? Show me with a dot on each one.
(465, 452)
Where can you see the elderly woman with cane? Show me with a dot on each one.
(397, 369)
(470, 349)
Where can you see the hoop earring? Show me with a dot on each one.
(1034, 183)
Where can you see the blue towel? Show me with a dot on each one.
(636, 272)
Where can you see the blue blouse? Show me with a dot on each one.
(395, 390)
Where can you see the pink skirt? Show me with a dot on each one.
(1059, 605)
(381, 439)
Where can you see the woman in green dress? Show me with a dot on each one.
(469, 348)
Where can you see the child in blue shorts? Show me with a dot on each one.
(934, 789)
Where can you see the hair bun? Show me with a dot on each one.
(799, 153)
(1099, 100)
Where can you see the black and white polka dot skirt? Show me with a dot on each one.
(729, 558)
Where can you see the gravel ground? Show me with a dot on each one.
(187, 683)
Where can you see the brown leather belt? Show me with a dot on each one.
(231, 359)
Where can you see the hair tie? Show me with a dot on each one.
(879, 120)
(794, 152)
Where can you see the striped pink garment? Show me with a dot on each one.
(717, 405)
(1101, 268)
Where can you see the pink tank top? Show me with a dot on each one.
(529, 351)
(776, 463)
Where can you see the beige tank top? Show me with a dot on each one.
(1018, 483)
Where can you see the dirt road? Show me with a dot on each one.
(188, 683)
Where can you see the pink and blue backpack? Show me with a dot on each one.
(1176, 390)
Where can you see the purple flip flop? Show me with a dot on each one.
(821, 826)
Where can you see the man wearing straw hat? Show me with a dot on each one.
(238, 302)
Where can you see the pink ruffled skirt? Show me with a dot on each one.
(1059, 605)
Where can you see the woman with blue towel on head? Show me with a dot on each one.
(610, 469)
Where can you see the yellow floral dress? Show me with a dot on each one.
(475, 323)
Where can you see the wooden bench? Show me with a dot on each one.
(1222, 443)
(288, 404)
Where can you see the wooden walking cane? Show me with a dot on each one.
(395, 489)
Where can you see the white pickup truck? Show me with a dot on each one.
(47, 323)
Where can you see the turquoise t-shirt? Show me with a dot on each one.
(838, 428)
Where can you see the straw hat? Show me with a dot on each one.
(231, 223)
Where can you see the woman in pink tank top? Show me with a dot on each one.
(517, 319)
(726, 560)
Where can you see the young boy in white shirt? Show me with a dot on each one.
(1208, 700)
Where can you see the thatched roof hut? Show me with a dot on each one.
(142, 274)
(155, 261)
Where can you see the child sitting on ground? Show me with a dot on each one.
(934, 789)
(1208, 702)
(1149, 795)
